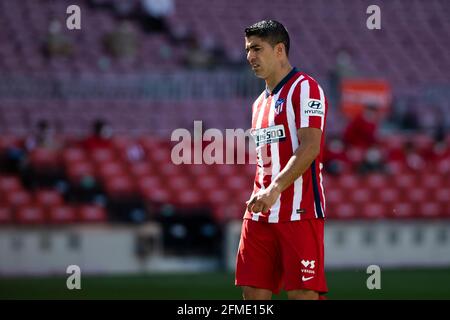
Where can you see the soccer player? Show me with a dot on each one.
(281, 243)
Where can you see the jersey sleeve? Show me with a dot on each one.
(311, 105)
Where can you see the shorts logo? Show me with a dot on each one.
(268, 135)
(310, 263)
(307, 278)
(279, 105)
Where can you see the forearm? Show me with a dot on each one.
(299, 162)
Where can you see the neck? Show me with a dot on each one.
(278, 75)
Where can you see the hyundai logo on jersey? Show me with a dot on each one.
(314, 104)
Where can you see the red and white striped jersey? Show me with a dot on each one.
(296, 102)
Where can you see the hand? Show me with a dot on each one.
(263, 200)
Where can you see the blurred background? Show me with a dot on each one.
(86, 117)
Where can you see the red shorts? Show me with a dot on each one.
(288, 255)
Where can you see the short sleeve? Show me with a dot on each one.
(312, 104)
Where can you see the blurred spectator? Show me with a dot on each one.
(335, 158)
(56, 43)
(197, 57)
(181, 34)
(410, 157)
(342, 68)
(362, 129)
(135, 153)
(373, 161)
(100, 137)
(121, 43)
(154, 14)
(99, 3)
(409, 120)
(43, 137)
(441, 149)
(216, 51)
(125, 9)
(439, 133)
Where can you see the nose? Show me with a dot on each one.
(250, 57)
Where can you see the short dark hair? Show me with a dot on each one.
(271, 31)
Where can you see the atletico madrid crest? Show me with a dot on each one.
(279, 105)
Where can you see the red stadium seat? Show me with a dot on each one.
(7, 141)
(403, 210)
(74, 155)
(148, 182)
(109, 169)
(331, 209)
(360, 196)
(388, 195)
(160, 155)
(423, 143)
(443, 166)
(120, 186)
(208, 183)
(334, 196)
(218, 197)
(8, 183)
(188, 197)
(6, 215)
(406, 180)
(430, 210)
(349, 181)
(79, 170)
(30, 214)
(92, 213)
(394, 141)
(44, 159)
(377, 181)
(238, 183)
(396, 168)
(431, 181)
(225, 170)
(121, 141)
(346, 211)
(18, 198)
(101, 156)
(373, 210)
(355, 155)
(141, 169)
(417, 195)
(169, 170)
(158, 195)
(61, 214)
(200, 170)
(179, 183)
(224, 214)
(47, 198)
(442, 196)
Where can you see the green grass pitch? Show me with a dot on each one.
(343, 284)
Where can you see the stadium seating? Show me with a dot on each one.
(138, 164)
(225, 188)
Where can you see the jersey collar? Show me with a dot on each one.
(281, 83)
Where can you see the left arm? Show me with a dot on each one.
(300, 161)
